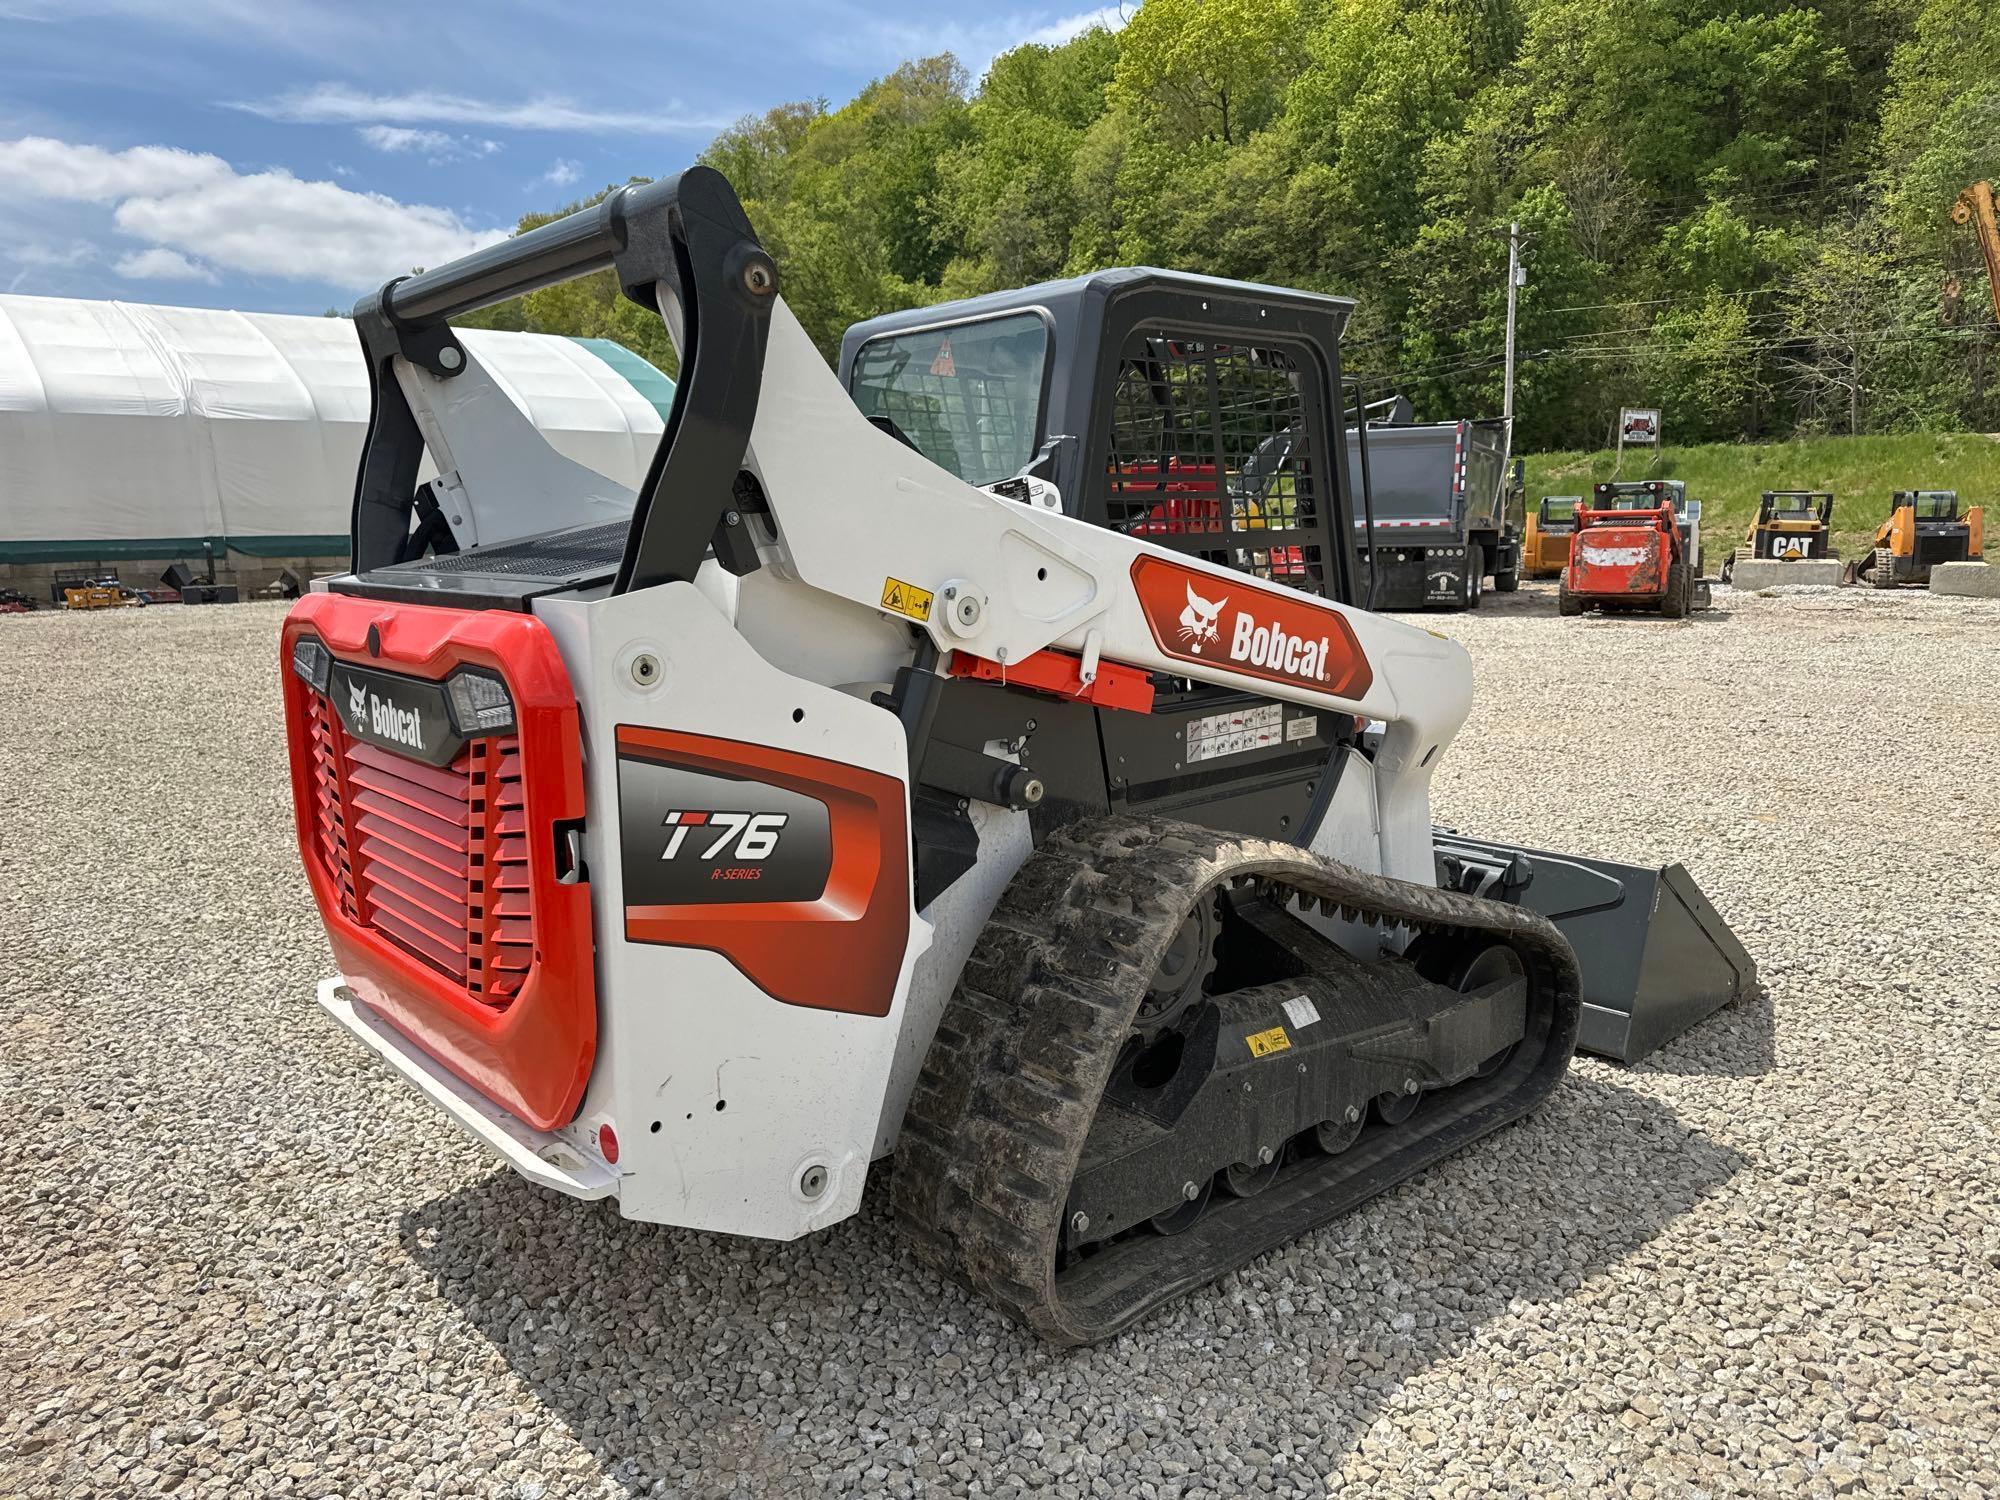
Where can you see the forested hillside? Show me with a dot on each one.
(1738, 212)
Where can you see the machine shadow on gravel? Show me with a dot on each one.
(1738, 1041)
(667, 1351)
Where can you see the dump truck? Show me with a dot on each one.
(1924, 529)
(975, 757)
(1545, 551)
(1442, 521)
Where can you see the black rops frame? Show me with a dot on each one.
(684, 238)
(1090, 318)
(1228, 315)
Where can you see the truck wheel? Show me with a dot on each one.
(1507, 583)
(1566, 602)
(1680, 592)
(1475, 576)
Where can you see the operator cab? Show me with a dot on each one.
(1198, 413)
(1558, 512)
(1651, 494)
(1794, 505)
(1930, 505)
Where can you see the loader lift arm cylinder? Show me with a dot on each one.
(682, 245)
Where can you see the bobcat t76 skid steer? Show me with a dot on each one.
(995, 777)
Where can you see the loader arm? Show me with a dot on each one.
(851, 509)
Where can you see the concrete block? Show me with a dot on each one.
(1967, 580)
(1770, 573)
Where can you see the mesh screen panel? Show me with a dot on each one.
(1212, 454)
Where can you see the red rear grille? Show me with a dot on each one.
(432, 858)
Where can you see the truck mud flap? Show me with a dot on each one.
(1655, 955)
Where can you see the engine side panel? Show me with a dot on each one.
(727, 1099)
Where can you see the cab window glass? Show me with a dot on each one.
(966, 397)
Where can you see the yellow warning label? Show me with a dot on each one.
(906, 599)
(1264, 1043)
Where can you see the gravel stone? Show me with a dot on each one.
(237, 1258)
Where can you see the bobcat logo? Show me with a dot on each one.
(357, 701)
(1198, 620)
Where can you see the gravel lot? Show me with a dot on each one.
(236, 1259)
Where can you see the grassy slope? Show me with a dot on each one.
(1728, 477)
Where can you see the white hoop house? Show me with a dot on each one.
(139, 431)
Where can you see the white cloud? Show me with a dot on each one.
(211, 217)
(337, 104)
(1110, 17)
(402, 138)
(161, 264)
(75, 253)
(437, 146)
(563, 173)
(37, 167)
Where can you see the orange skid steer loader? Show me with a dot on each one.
(1628, 559)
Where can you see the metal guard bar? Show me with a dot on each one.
(683, 240)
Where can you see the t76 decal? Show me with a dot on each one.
(1247, 628)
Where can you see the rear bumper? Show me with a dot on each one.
(1418, 575)
(536, 1154)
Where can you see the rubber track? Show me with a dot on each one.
(1025, 1048)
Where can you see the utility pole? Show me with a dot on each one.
(1515, 276)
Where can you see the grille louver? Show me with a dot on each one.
(433, 858)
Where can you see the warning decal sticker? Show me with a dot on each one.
(1264, 1043)
(906, 599)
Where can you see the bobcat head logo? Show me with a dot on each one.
(357, 700)
(1198, 620)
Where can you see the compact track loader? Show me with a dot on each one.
(982, 765)
(1551, 524)
(1793, 524)
(1924, 529)
(1790, 526)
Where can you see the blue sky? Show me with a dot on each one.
(286, 156)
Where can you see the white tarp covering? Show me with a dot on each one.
(123, 423)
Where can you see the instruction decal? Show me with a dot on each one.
(1264, 1043)
(1235, 732)
(906, 599)
(1301, 1012)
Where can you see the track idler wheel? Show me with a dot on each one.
(1394, 1109)
(1335, 1136)
(1195, 1199)
(1247, 1178)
